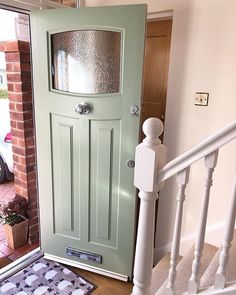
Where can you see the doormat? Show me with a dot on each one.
(46, 277)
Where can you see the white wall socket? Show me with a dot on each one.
(201, 98)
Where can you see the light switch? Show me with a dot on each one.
(201, 98)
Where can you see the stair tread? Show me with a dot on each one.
(208, 277)
(160, 272)
(184, 268)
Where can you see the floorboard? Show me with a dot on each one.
(105, 285)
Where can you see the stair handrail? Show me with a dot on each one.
(207, 146)
(151, 171)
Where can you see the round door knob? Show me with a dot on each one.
(130, 163)
(83, 108)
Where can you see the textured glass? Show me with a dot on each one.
(86, 61)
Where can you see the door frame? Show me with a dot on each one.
(35, 254)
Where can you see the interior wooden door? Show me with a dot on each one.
(157, 51)
(87, 66)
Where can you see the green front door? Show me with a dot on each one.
(87, 69)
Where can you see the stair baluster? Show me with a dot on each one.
(220, 278)
(210, 164)
(182, 180)
(150, 156)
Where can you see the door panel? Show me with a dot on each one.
(104, 169)
(65, 178)
(157, 49)
(86, 193)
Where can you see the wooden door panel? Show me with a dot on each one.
(65, 151)
(152, 109)
(157, 50)
(104, 183)
(154, 72)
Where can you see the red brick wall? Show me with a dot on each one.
(18, 68)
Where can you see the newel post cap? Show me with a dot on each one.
(152, 128)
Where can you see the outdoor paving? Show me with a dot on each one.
(7, 255)
(7, 192)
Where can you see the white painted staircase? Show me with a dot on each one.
(205, 269)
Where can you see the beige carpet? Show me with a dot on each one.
(160, 272)
(184, 269)
(208, 277)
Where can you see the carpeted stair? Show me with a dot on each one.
(160, 272)
(209, 276)
(184, 268)
(208, 269)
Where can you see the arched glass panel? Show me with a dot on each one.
(86, 61)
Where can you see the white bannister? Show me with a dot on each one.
(220, 278)
(150, 156)
(149, 177)
(198, 152)
(182, 180)
(210, 164)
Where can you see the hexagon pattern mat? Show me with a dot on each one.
(46, 277)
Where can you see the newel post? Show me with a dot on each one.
(150, 156)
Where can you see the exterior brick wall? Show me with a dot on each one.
(18, 69)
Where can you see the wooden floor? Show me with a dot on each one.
(105, 285)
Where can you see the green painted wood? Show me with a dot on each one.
(86, 193)
(65, 165)
(104, 196)
(103, 185)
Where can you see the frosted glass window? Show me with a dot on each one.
(86, 61)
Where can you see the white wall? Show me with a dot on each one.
(203, 58)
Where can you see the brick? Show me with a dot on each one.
(26, 76)
(21, 116)
(16, 67)
(12, 56)
(31, 160)
(18, 116)
(25, 67)
(33, 238)
(19, 151)
(25, 57)
(18, 133)
(14, 77)
(13, 124)
(31, 175)
(11, 46)
(33, 229)
(25, 96)
(33, 199)
(18, 142)
(33, 221)
(33, 206)
(29, 133)
(30, 151)
(24, 46)
(10, 87)
(20, 183)
(2, 47)
(9, 66)
(30, 142)
(21, 191)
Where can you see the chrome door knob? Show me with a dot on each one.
(83, 108)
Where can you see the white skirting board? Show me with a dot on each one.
(214, 236)
(87, 267)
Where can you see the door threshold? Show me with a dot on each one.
(20, 263)
(87, 267)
